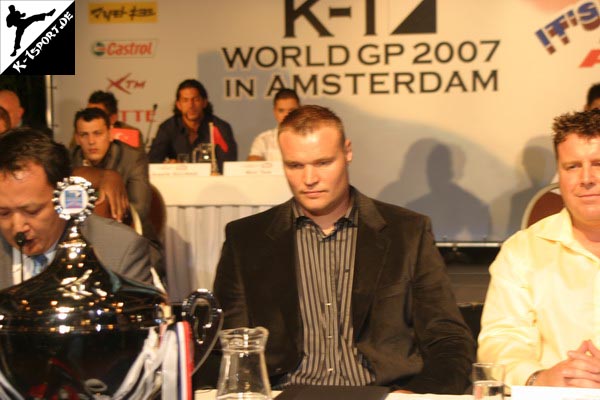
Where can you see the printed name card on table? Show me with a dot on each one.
(242, 168)
(553, 393)
(200, 169)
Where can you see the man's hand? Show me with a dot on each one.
(111, 189)
(580, 369)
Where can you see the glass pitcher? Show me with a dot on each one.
(243, 373)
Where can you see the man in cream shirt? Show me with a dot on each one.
(265, 146)
(542, 312)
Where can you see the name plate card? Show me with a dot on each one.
(242, 168)
(553, 393)
(179, 169)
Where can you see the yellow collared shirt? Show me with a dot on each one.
(543, 299)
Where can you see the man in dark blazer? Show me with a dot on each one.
(30, 165)
(405, 332)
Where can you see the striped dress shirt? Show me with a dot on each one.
(325, 270)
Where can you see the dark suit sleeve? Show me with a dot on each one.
(161, 145)
(138, 185)
(228, 285)
(446, 344)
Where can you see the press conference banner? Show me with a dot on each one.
(448, 103)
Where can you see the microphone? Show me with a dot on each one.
(147, 138)
(20, 240)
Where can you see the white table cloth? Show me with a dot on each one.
(211, 394)
(198, 208)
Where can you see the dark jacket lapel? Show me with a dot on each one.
(283, 267)
(372, 247)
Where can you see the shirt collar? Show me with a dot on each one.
(559, 228)
(350, 217)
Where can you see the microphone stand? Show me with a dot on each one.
(147, 138)
(20, 240)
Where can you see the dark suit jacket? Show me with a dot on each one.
(117, 247)
(405, 318)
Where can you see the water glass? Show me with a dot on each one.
(488, 381)
(202, 153)
(183, 158)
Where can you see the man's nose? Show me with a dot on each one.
(311, 176)
(588, 175)
(19, 223)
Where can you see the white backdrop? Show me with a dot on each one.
(454, 122)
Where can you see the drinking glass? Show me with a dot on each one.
(183, 158)
(202, 153)
(488, 381)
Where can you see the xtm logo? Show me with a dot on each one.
(125, 84)
(421, 17)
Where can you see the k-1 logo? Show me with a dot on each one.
(419, 16)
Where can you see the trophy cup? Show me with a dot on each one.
(76, 330)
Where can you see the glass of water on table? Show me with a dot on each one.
(488, 381)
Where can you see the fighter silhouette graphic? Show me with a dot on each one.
(18, 20)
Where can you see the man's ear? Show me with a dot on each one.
(348, 150)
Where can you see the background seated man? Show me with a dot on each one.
(12, 104)
(30, 165)
(542, 316)
(107, 102)
(353, 291)
(188, 127)
(4, 120)
(96, 148)
(266, 146)
(593, 97)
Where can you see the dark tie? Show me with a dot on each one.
(39, 263)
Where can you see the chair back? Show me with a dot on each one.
(158, 211)
(545, 202)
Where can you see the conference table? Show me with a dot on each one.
(198, 208)
(211, 394)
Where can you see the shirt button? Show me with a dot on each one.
(328, 304)
(329, 370)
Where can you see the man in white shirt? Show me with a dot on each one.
(542, 312)
(265, 146)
